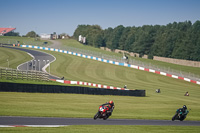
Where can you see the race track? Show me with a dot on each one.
(6, 120)
(40, 60)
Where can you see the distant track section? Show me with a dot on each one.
(113, 62)
(40, 60)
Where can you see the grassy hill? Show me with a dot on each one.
(71, 43)
(23, 40)
(15, 57)
(153, 106)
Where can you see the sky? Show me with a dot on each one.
(63, 16)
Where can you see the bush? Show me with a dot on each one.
(150, 56)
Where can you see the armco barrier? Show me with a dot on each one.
(113, 62)
(39, 88)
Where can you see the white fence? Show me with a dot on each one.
(8, 73)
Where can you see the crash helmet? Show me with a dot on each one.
(184, 107)
(111, 102)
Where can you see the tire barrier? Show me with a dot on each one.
(40, 88)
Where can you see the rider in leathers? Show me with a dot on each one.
(185, 111)
(110, 106)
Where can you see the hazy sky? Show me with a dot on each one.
(63, 16)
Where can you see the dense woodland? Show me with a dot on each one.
(174, 40)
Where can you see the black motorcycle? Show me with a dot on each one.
(179, 115)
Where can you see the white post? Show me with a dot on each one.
(32, 65)
(49, 66)
(27, 66)
(39, 64)
(8, 63)
(44, 62)
(35, 64)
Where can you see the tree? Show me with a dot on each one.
(130, 40)
(117, 32)
(90, 32)
(174, 40)
(31, 34)
(123, 38)
(12, 34)
(107, 33)
(98, 40)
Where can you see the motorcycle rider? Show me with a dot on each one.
(185, 111)
(110, 106)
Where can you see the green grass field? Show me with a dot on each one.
(76, 44)
(85, 106)
(105, 129)
(153, 106)
(161, 106)
(15, 57)
(23, 41)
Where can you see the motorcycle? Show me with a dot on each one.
(179, 115)
(102, 113)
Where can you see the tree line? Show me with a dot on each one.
(29, 34)
(175, 40)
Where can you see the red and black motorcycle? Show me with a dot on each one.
(102, 113)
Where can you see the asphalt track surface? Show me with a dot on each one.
(40, 60)
(7, 120)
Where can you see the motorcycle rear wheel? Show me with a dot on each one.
(182, 118)
(105, 118)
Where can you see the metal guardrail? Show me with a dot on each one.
(9, 73)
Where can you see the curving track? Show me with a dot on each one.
(6, 120)
(39, 60)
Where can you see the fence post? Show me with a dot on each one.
(22, 75)
(6, 73)
(16, 74)
(1, 74)
(26, 75)
(11, 74)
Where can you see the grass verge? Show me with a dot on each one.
(85, 106)
(105, 129)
